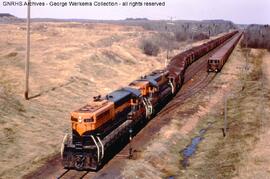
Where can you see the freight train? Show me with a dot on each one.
(104, 121)
(219, 58)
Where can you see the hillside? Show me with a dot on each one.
(6, 18)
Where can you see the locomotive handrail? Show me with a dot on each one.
(96, 146)
(171, 84)
(63, 145)
(102, 147)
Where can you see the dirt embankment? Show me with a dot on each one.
(215, 156)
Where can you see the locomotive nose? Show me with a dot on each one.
(82, 122)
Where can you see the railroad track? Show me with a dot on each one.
(187, 94)
(63, 174)
(72, 174)
(190, 91)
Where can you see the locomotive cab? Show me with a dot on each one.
(92, 119)
(92, 116)
(142, 85)
(148, 88)
(165, 86)
(136, 109)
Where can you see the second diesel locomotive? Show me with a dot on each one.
(104, 121)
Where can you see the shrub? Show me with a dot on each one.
(181, 36)
(257, 36)
(200, 36)
(150, 48)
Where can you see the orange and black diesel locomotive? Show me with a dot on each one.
(105, 120)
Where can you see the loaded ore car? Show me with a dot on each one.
(218, 59)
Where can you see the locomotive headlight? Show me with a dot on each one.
(80, 119)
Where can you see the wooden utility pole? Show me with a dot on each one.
(225, 115)
(27, 53)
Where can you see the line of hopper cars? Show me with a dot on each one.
(219, 58)
(103, 122)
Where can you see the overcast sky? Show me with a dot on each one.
(238, 11)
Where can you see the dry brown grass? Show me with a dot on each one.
(256, 164)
